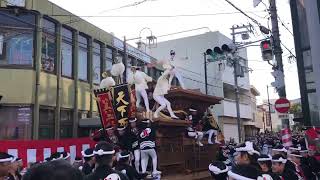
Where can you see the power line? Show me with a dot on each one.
(152, 16)
(282, 23)
(126, 6)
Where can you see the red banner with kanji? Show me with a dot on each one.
(104, 102)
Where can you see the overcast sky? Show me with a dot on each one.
(160, 17)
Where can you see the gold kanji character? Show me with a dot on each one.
(120, 98)
(122, 109)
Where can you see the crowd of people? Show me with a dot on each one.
(123, 153)
(264, 157)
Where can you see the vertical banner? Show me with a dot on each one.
(286, 137)
(107, 115)
(121, 103)
(133, 108)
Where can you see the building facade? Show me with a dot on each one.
(306, 29)
(189, 61)
(50, 61)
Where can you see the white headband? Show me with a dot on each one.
(296, 155)
(265, 159)
(280, 150)
(216, 170)
(120, 129)
(237, 176)
(283, 161)
(248, 148)
(68, 155)
(133, 120)
(125, 156)
(192, 110)
(86, 155)
(6, 160)
(100, 152)
(296, 149)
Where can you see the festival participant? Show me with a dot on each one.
(13, 171)
(147, 137)
(5, 162)
(107, 81)
(310, 162)
(78, 163)
(265, 163)
(124, 140)
(124, 167)
(105, 155)
(197, 135)
(218, 170)
(303, 170)
(280, 149)
(140, 80)
(53, 170)
(243, 172)
(161, 89)
(209, 129)
(134, 141)
(278, 167)
(246, 154)
(89, 161)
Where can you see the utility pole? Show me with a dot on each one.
(269, 108)
(277, 43)
(205, 72)
(235, 66)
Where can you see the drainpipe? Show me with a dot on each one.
(76, 84)
(90, 62)
(36, 108)
(58, 95)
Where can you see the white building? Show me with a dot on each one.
(189, 60)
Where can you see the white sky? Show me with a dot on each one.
(131, 26)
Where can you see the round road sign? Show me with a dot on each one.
(282, 105)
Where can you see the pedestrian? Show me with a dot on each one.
(105, 155)
(53, 170)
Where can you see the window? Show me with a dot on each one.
(16, 39)
(48, 58)
(109, 59)
(66, 124)
(83, 58)
(46, 124)
(66, 52)
(15, 122)
(96, 63)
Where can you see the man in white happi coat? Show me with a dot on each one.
(140, 79)
(160, 90)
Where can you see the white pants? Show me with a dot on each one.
(145, 158)
(198, 135)
(164, 103)
(211, 132)
(142, 93)
(174, 72)
(137, 159)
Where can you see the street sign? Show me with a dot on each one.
(282, 105)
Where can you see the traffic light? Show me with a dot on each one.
(266, 50)
(211, 55)
(279, 79)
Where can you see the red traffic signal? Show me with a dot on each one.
(266, 50)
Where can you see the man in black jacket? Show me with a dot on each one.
(89, 161)
(104, 154)
(278, 167)
(124, 167)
